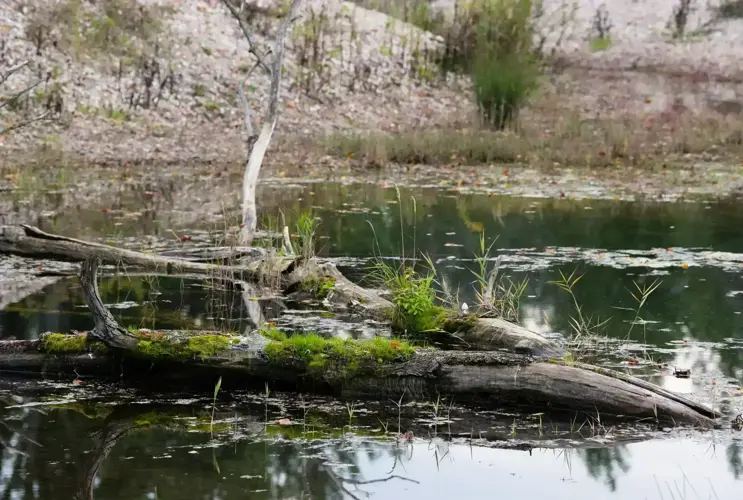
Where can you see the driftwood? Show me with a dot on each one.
(494, 378)
(287, 274)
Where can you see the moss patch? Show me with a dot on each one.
(60, 343)
(334, 360)
(273, 333)
(157, 345)
(319, 287)
(454, 324)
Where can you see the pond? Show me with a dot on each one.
(262, 447)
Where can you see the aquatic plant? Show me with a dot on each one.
(319, 287)
(496, 295)
(581, 324)
(414, 295)
(306, 227)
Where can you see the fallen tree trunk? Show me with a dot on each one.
(288, 274)
(493, 378)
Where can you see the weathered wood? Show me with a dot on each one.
(107, 330)
(284, 273)
(497, 333)
(29, 241)
(345, 295)
(496, 379)
(258, 145)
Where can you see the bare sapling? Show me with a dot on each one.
(258, 143)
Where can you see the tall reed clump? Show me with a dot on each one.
(505, 70)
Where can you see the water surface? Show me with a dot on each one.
(693, 320)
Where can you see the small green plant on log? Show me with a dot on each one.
(320, 288)
(414, 295)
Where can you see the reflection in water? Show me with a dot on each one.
(692, 321)
(62, 454)
(606, 464)
(85, 452)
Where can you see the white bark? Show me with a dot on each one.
(257, 147)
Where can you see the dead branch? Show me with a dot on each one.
(252, 48)
(14, 97)
(107, 330)
(12, 71)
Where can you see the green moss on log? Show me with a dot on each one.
(158, 346)
(60, 343)
(319, 287)
(335, 360)
(459, 324)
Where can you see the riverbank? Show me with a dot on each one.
(652, 131)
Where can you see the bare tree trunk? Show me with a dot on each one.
(257, 146)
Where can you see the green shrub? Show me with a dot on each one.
(502, 85)
(505, 70)
(414, 296)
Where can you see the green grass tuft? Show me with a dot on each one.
(319, 287)
(414, 296)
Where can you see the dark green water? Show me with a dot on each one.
(692, 320)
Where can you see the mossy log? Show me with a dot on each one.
(493, 378)
(288, 274)
(531, 378)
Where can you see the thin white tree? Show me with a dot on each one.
(258, 143)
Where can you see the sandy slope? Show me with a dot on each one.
(365, 83)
